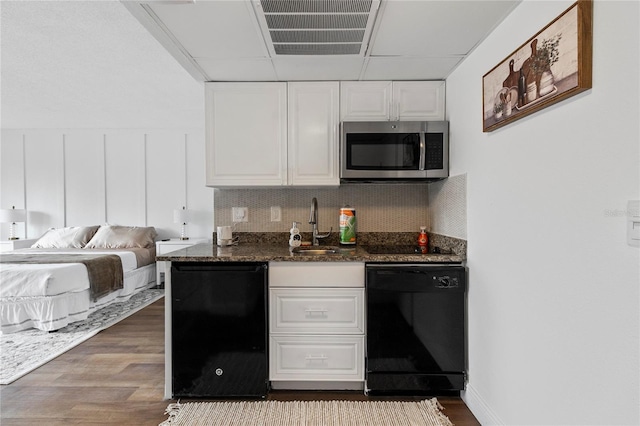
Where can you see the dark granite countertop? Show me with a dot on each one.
(260, 249)
(278, 253)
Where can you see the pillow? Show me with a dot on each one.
(71, 237)
(113, 236)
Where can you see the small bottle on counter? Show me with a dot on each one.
(423, 240)
(295, 239)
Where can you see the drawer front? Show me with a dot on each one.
(316, 358)
(168, 248)
(317, 311)
(316, 274)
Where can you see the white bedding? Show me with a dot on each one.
(29, 280)
(50, 296)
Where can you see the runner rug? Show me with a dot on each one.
(24, 351)
(307, 413)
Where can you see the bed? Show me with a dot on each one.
(70, 272)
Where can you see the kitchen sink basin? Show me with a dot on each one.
(316, 250)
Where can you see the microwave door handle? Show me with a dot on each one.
(423, 152)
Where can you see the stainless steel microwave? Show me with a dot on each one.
(394, 151)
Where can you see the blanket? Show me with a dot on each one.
(105, 271)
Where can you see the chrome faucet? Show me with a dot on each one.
(313, 219)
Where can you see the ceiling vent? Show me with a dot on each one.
(317, 27)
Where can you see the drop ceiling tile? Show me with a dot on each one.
(436, 28)
(311, 68)
(409, 68)
(214, 29)
(238, 69)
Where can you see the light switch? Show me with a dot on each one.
(633, 223)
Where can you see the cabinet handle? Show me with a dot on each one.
(311, 311)
(311, 358)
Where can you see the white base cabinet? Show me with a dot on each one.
(316, 310)
(316, 324)
(316, 358)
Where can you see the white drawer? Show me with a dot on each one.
(317, 311)
(316, 274)
(316, 358)
(164, 248)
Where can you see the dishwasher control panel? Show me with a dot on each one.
(420, 277)
(446, 281)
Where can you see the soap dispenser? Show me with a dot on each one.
(295, 239)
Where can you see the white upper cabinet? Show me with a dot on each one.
(365, 100)
(397, 100)
(313, 133)
(257, 135)
(246, 134)
(287, 134)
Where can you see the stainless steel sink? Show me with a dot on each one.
(316, 250)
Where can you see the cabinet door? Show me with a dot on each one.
(316, 358)
(218, 328)
(313, 133)
(316, 310)
(246, 134)
(365, 100)
(418, 100)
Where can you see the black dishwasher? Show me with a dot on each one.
(219, 331)
(415, 329)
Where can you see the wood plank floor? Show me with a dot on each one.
(117, 378)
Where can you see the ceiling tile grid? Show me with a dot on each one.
(109, 63)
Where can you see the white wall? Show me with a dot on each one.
(76, 177)
(554, 288)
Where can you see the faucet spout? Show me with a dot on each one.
(313, 220)
(313, 216)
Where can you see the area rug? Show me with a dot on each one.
(24, 351)
(307, 413)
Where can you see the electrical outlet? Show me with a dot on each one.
(276, 214)
(240, 214)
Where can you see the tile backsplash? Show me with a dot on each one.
(440, 206)
(448, 207)
(379, 208)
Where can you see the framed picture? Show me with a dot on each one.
(551, 66)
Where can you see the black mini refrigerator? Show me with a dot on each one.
(219, 329)
(415, 329)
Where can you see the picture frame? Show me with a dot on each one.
(553, 65)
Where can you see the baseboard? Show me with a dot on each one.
(479, 407)
(316, 385)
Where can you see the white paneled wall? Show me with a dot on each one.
(90, 177)
(12, 180)
(84, 180)
(126, 186)
(44, 181)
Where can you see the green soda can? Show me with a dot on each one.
(347, 225)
